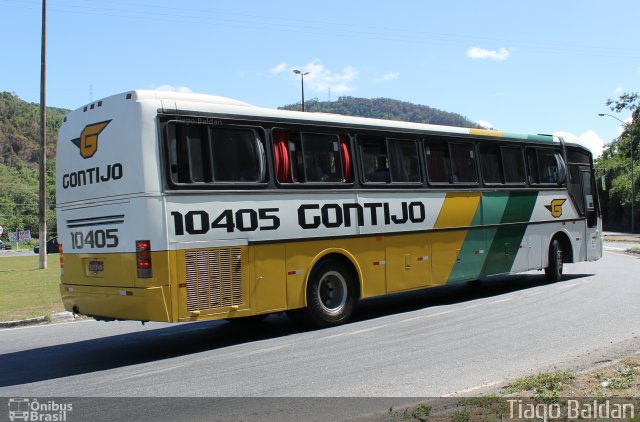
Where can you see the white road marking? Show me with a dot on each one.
(267, 349)
(428, 316)
(501, 300)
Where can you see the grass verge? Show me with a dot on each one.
(27, 291)
(617, 383)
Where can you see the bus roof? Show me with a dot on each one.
(172, 102)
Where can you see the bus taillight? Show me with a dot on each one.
(143, 258)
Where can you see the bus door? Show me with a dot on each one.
(592, 213)
(582, 189)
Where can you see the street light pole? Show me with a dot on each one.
(298, 72)
(42, 191)
(631, 154)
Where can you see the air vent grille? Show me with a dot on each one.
(214, 278)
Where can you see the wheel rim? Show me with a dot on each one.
(332, 292)
(559, 259)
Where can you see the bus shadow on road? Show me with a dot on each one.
(453, 293)
(149, 345)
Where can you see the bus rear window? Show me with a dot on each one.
(201, 155)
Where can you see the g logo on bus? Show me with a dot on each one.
(88, 140)
(555, 208)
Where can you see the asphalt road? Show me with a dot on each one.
(442, 341)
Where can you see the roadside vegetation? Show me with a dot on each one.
(616, 382)
(613, 167)
(28, 292)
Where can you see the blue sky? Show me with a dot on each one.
(518, 66)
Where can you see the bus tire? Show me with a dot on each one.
(554, 271)
(331, 294)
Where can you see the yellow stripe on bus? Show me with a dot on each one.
(458, 210)
(485, 132)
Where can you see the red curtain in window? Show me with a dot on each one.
(281, 153)
(346, 159)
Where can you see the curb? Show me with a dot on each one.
(23, 322)
(627, 239)
(53, 318)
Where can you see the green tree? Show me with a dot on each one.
(615, 165)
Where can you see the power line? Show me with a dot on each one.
(265, 23)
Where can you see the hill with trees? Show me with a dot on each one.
(384, 108)
(19, 155)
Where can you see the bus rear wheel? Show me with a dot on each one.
(554, 271)
(331, 294)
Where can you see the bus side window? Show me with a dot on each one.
(438, 162)
(532, 166)
(513, 165)
(502, 165)
(202, 155)
(492, 171)
(403, 158)
(321, 157)
(237, 155)
(375, 160)
(546, 166)
(178, 157)
(464, 163)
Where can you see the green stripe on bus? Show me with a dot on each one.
(506, 242)
(525, 137)
(473, 253)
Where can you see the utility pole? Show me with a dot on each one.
(43, 142)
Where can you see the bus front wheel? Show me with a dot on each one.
(331, 294)
(554, 271)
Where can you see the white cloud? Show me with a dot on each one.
(485, 124)
(320, 78)
(483, 53)
(389, 76)
(619, 90)
(279, 68)
(589, 139)
(173, 88)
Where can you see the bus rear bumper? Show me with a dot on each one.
(118, 303)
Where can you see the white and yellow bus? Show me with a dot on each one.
(185, 207)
